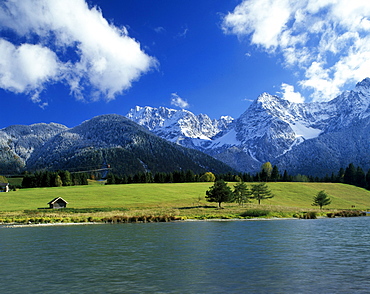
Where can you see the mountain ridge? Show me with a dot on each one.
(112, 138)
(307, 138)
(273, 127)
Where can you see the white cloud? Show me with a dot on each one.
(289, 94)
(327, 40)
(25, 69)
(106, 63)
(176, 100)
(264, 20)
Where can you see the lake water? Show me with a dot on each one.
(275, 256)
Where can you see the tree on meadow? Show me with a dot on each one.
(321, 199)
(220, 192)
(260, 192)
(241, 193)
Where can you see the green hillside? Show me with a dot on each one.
(148, 196)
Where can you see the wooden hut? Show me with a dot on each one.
(58, 202)
(4, 187)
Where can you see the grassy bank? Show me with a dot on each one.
(161, 202)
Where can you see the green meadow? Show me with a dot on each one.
(180, 200)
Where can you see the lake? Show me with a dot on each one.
(271, 256)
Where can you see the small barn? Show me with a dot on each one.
(4, 187)
(58, 202)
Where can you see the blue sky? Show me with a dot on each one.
(67, 61)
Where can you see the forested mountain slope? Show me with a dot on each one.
(115, 140)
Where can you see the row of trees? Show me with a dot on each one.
(189, 176)
(221, 192)
(354, 176)
(171, 177)
(54, 179)
(351, 175)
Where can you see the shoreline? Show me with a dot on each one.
(15, 225)
(162, 220)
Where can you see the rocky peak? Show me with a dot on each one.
(363, 86)
(174, 125)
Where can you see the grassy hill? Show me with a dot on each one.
(184, 200)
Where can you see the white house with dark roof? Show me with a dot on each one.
(58, 202)
(4, 187)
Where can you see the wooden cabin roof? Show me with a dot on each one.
(56, 200)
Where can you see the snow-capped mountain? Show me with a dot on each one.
(180, 126)
(271, 128)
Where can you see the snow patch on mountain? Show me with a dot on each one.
(228, 139)
(303, 131)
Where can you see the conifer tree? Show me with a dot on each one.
(220, 192)
(340, 175)
(321, 199)
(242, 193)
(275, 175)
(368, 180)
(285, 176)
(260, 192)
(350, 175)
(360, 177)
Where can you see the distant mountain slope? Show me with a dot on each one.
(330, 151)
(18, 142)
(126, 146)
(272, 129)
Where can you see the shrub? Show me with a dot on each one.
(254, 213)
(309, 215)
(350, 213)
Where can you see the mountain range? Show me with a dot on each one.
(307, 138)
(107, 139)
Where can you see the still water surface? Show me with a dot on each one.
(282, 256)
